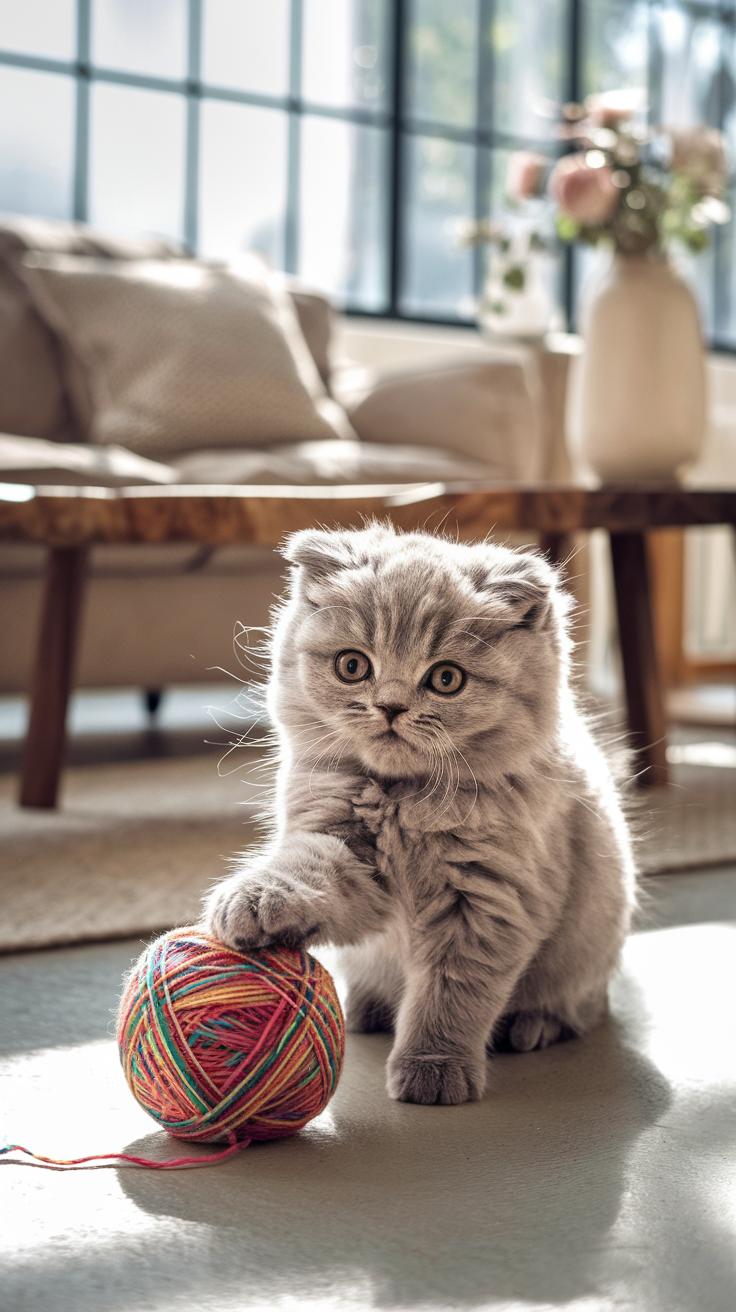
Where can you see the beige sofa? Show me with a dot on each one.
(161, 616)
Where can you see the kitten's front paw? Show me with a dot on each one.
(372, 807)
(256, 911)
(431, 1078)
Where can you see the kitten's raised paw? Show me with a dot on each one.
(372, 807)
(254, 912)
(525, 1031)
(434, 1079)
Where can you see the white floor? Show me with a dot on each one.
(596, 1175)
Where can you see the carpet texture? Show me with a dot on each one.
(136, 844)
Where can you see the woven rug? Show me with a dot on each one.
(136, 844)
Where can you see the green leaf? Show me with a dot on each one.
(515, 277)
(696, 239)
(567, 228)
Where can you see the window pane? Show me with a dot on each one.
(442, 73)
(36, 143)
(438, 272)
(615, 46)
(141, 36)
(529, 63)
(134, 189)
(726, 325)
(242, 180)
(343, 236)
(39, 27)
(728, 94)
(687, 61)
(246, 45)
(345, 56)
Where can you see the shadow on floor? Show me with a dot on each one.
(512, 1199)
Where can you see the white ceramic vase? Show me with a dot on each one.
(637, 408)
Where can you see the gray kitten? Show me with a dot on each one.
(443, 811)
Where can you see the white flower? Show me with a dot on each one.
(609, 108)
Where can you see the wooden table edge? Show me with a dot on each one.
(220, 515)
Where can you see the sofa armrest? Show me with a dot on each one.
(483, 408)
(34, 460)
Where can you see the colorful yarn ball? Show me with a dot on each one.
(219, 1045)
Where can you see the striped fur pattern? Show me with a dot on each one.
(467, 848)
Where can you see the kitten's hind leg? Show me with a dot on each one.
(532, 1023)
(525, 1031)
(367, 1014)
(374, 982)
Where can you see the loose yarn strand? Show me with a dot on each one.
(220, 1047)
(102, 1160)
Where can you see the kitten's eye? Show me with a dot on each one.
(352, 666)
(446, 678)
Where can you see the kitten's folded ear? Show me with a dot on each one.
(529, 603)
(522, 584)
(319, 551)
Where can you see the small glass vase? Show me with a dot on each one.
(525, 315)
(637, 402)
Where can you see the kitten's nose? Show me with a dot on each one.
(391, 710)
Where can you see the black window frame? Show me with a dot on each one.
(395, 119)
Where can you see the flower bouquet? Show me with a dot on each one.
(636, 190)
(637, 405)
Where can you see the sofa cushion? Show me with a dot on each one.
(325, 463)
(19, 233)
(33, 399)
(486, 408)
(32, 396)
(166, 356)
(31, 390)
(33, 460)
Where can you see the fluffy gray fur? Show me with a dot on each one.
(468, 851)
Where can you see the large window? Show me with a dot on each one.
(343, 138)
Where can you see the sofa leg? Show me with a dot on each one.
(152, 699)
(56, 649)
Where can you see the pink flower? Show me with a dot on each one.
(525, 175)
(587, 195)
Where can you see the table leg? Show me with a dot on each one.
(644, 692)
(43, 753)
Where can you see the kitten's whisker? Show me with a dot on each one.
(321, 609)
(419, 794)
(220, 669)
(212, 712)
(463, 758)
(335, 733)
(233, 745)
(314, 743)
(476, 638)
(445, 760)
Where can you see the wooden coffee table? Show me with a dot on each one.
(68, 521)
